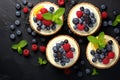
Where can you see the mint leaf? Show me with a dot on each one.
(22, 43)
(44, 62)
(92, 39)
(59, 21)
(48, 16)
(19, 50)
(118, 18)
(94, 72)
(14, 46)
(59, 12)
(101, 40)
(115, 23)
(40, 61)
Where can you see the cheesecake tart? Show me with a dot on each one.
(41, 25)
(84, 19)
(62, 51)
(106, 57)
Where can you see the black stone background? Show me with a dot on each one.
(16, 67)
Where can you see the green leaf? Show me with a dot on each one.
(44, 62)
(40, 61)
(15, 46)
(59, 21)
(118, 18)
(19, 50)
(48, 16)
(22, 43)
(115, 23)
(92, 39)
(59, 12)
(94, 72)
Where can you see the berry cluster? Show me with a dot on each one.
(43, 24)
(85, 19)
(63, 52)
(103, 55)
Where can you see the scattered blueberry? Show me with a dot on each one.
(75, 21)
(80, 41)
(42, 39)
(87, 71)
(110, 22)
(18, 13)
(12, 27)
(24, 2)
(105, 24)
(18, 6)
(34, 34)
(12, 36)
(30, 5)
(34, 40)
(103, 7)
(29, 30)
(82, 62)
(73, 2)
(114, 13)
(80, 74)
(18, 32)
(117, 38)
(17, 22)
(116, 30)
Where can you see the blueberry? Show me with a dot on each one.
(30, 5)
(34, 34)
(48, 28)
(35, 19)
(39, 23)
(67, 60)
(93, 20)
(114, 13)
(82, 18)
(18, 6)
(82, 62)
(86, 29)
(103, 7)
(61, 43)
(116, 30)
(94, 59)
(34, 40)
(12, 27)
(103, 50)
(24, 2)
(66, 41)
(79, 74)
(69, 31)
(55, 55)
(110, 42)
(92, 15)
(56, 60)
(110, 22)
(73, 49)
(82, 8)
(80, 21)
(38, 28)
(55, 49)
(62, 63)
(58, 45)
(98, 51)
(105, 24)
(75, 27)
(12, 36)
(100, 60)
(87, 71)
(52, 9)
(53, 27)
(17, 22)
(29, 30)
(18, 13)
(18, 32)
(90, 25)
(117, 38)
(80, 41)
(102, 56)
(75, 21)
(92, 52)
(42, 39)
(73, 2)
(43, 27)
(96, 55)
(109, 47)
(61, 50)
(87, 11)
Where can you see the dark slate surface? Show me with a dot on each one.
(16, 67)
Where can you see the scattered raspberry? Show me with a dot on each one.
(66, 47)
(43, 10)
(61, 2)
(104, 14)
(79, 14)
(106, 60)
(111, 55)
(42, 48)
(39, 16)
(34, 47)
(67, 71)
(25, 10)
(47, 22)
(80, 27)
(69, 54)
(26, 52)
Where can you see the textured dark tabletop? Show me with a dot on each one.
(16, 67)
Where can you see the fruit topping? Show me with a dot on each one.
(43, 10)
(34, 47)
(104, 15)
(42, 49)
(26, 52)
(61, 2)
(25, 10)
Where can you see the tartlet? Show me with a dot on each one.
(44, 30)
(84, 19)
(112, 62)
(69, 55)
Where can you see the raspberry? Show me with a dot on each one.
(39, 16)
(67, 71)
(25, 10)
(79, 14)
(47, 22)
(106, 60)
(26, 52)
(111, 55)
(104, 14)
(43, 10)
(42, 48)
(80, 27)
(66, 47)
(34, 47)
(69, 54)
(61, 2)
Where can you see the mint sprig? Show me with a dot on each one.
(18, 47)
(100, 41)
(55, 17)
(116, 21)
(42, 61)
(94, 72)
